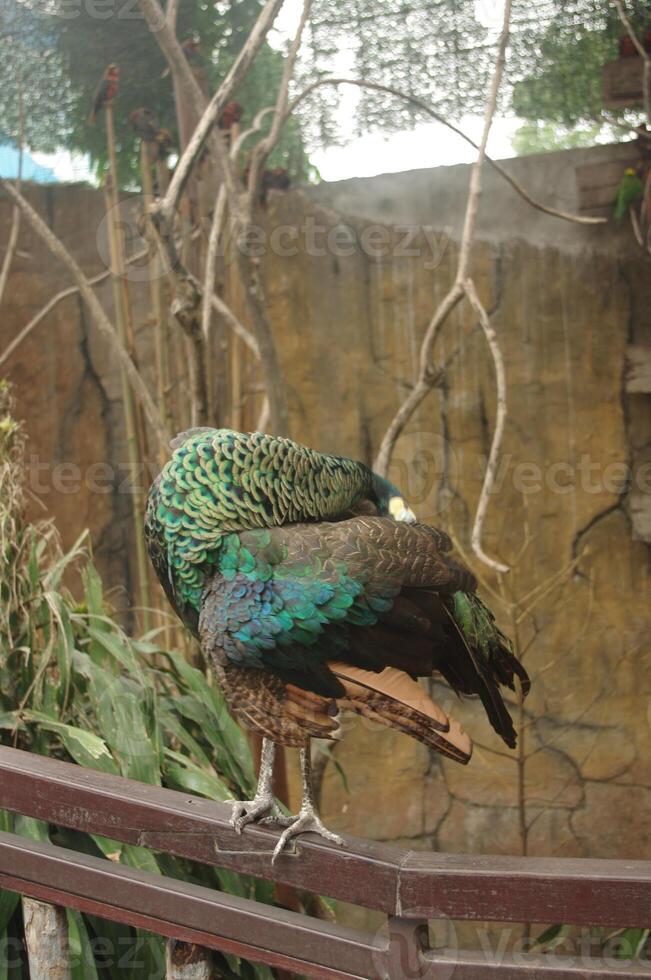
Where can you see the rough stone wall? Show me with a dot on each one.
(350, 332)
(566, 301)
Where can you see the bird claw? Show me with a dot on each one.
(305, 822)
(260, 809)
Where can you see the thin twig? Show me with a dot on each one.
(102, 322)
(210, 271)
(646, 58)
(12, 243)
(210, 113)
(163, 212)
(420, 104)
(265, 146)
(500, 421)
(236, 325)
(52, 303)
(427, 377)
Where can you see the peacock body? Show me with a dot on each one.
(312, 589)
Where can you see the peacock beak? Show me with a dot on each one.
(400, 512)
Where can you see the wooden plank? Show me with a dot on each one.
(404, 883)
(577, 891)
(279, 938)
(638, 369)
(191, 913)
(622, 83)
(480, 966)
(194, 828)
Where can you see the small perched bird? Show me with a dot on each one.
(313, 590)
(276, 179)
(145, 124)
(106, 91)
(231, 114)
(630, 188)
(626, 47)
(191, 48)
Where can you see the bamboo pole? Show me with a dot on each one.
(46, 938)
(161, 336)
(135, 445)
(185, 961)
(236, 385)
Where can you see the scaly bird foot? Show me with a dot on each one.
(306, 822)
(249, 811)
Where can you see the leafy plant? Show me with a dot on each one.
(74, 686)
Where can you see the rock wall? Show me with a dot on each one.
(350, 296)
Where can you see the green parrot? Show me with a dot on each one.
(630, 188)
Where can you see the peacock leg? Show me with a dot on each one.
(263, 803)
(307, 821)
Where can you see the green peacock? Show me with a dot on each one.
(313, 590)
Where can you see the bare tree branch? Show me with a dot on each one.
(58, 298)
(419, 103)
(163, 213)
(639, 47)
(210, 113)
(462, 286)
(102, 322)
(46, 939)
(500, 420)
(236, 325)
(210, 271)
(12, 242)
(265, 146)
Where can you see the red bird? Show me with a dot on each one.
(191, 48)
(276, 179)
(144, 123)
(106, 92)
(231, 114)
(626, 47)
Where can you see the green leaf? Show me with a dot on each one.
(63, 644)
(8, 900)
(139, 857)
(118, 647)
(550, 935)
(172, 726)
(225, 735)
(82, 958)
(185, 775)
(93, 593)
(85, 747)
(33, 829)
(630, 943)
(149, 956)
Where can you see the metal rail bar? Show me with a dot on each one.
(408, 884)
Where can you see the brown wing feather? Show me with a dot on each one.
(394, 699)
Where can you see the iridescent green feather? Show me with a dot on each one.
(219, 481)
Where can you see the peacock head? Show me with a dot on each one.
(390, 501)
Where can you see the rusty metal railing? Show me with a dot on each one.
(409, 887)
